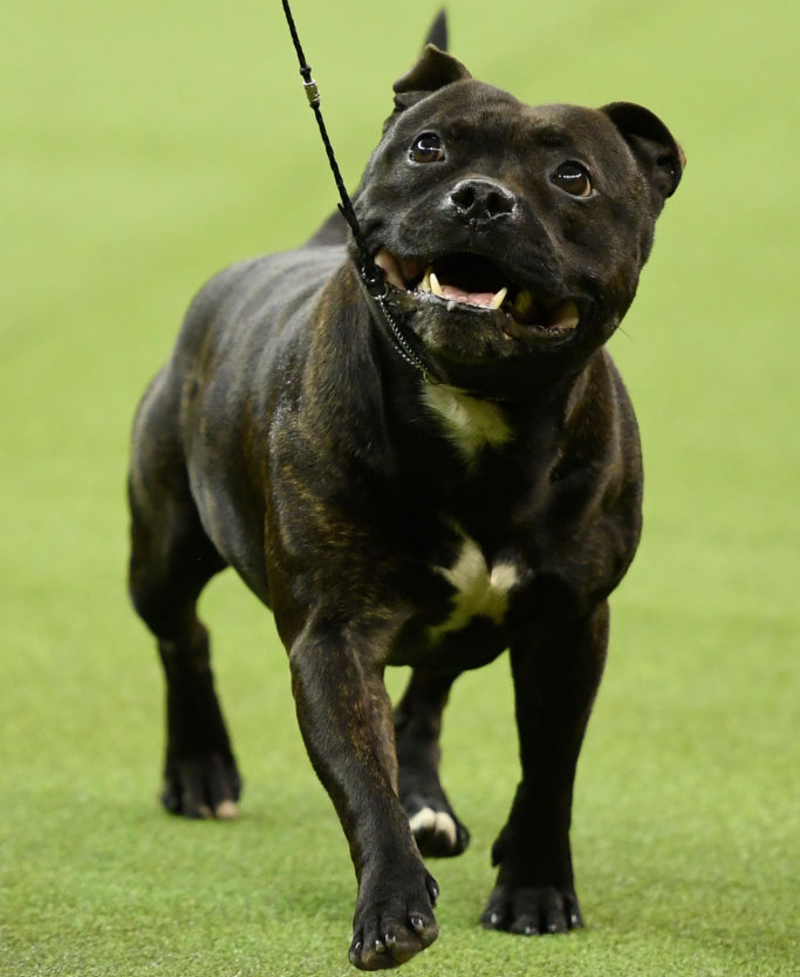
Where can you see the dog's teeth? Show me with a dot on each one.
(451, 305)
(566, 315)
(425, 284)
(436, 288)
(499, 298)
(523, 304)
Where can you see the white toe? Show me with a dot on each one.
(445, 825)
(423, 820)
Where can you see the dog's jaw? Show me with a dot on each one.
(474, 284)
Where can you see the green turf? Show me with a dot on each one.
(145, 145)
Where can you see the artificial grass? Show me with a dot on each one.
(146, 146)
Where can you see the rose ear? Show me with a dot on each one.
(433, 71)
(652, 144)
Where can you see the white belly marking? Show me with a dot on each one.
(479, 590)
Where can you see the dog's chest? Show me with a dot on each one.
(469, 424)
(480, 589)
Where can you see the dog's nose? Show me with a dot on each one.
(481, 200)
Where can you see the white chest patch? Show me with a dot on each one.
(479, 590)
(470, 424)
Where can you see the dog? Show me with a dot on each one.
(477, 493)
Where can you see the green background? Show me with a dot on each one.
(145, 145)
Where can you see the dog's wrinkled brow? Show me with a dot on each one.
(550, 135)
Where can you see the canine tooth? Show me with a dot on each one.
(523, 304)
(499, 298)
(451, 305)
(425, 284)
(436, 288)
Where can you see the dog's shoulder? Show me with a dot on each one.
(254, 300)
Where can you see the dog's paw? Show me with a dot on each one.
(530, 910)
(438, 834)
(202, 787)
(389, 931)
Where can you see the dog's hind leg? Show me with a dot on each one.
(171, 561)
(418, 723)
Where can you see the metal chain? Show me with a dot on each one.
(402, 345)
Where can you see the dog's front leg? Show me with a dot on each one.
(556, 675)
(346, 719)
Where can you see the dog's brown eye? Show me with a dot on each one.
(427, 148)
(574, 179)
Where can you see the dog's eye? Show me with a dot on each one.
(573, 178)
(427, 148)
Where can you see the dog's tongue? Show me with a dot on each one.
(454, 294)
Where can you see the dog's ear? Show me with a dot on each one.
(437, 34)
(659, 155)
(433, 71)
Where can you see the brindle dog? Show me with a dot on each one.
(394, 517)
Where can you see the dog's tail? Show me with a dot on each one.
(335, 230)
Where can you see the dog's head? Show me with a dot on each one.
(511, 234)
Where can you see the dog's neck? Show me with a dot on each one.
(440, 433)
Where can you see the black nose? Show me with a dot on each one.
(481, 200)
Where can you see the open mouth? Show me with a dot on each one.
(473, 282)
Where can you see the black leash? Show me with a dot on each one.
(369, 271)
(372, 276)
